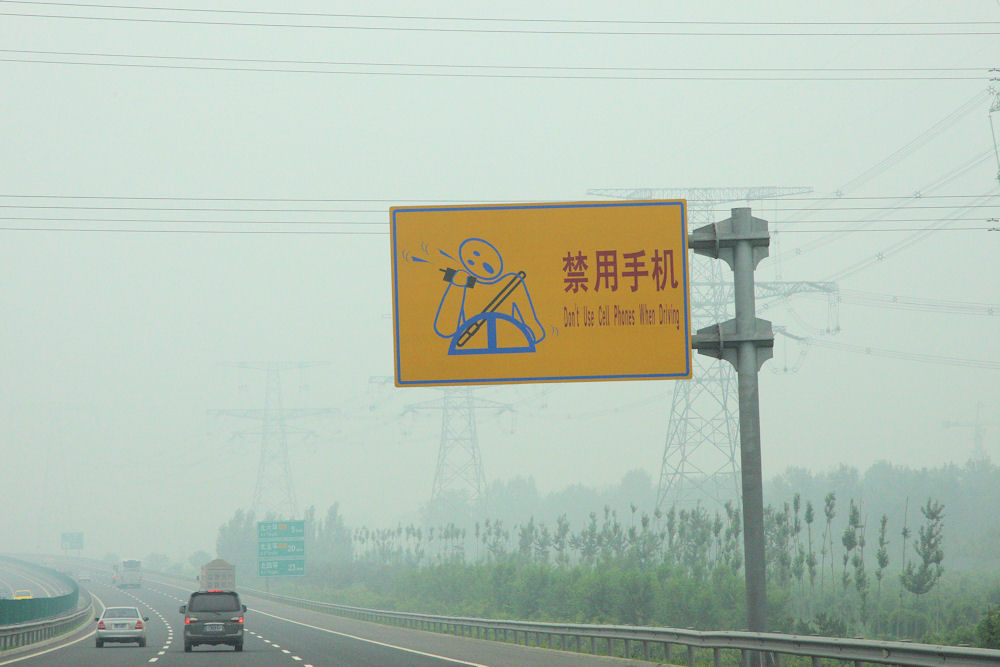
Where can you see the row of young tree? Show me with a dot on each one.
(681, 568)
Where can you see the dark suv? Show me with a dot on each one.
(213, 617)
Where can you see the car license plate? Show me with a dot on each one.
(119, 626)
(214, 627)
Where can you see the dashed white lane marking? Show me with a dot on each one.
(163, 619)
(286, 651)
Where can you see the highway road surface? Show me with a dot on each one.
(278, 634)
(16, 577)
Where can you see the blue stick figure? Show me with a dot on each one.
(503, 322)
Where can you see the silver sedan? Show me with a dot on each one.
(121, 624)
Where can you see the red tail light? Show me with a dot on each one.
(138, 625)
(100, 626)
(187, 621)
(240, 620)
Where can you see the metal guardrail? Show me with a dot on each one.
(39, 608)
(13, 636)
(24, 622)
(605, 638)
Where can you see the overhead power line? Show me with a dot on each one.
(888, 229)
(80, 207)
(985, 69)
(907, 356)
(839, 197)
(193, 222)
(970, 105)
(799, 223)
(964, 109)
(413, 17)
(954, 174)
(408, 200)
(64, 226)
(894, 301)
(255, 199)
(903, 244)
(197, 209)
(915, 200)
(527, 31)
(892, 354)
(273, 232)
(284, 221)
(275, 215)
(693, 75)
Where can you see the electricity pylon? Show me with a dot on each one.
(459, 483)
(274, 492)
(978, 427)
(701, 456)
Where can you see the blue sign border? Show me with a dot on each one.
(566, 378)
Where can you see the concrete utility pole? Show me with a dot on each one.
(746, 342)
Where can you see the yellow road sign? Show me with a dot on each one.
(508, 293)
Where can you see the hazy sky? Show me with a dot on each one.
(114, 346)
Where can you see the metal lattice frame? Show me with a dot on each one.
(701, 456)
(701, 463)
(459, 469)
(459, 483)
(274, 493)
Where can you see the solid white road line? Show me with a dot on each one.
(342, 634)
(372, 641)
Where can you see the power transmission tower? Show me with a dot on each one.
(459, 486)
(701, 456)
(978, 427)
(274, 492)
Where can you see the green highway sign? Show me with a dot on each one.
(72, 541)
(281, 548)
(280, 529)
(281, 567)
